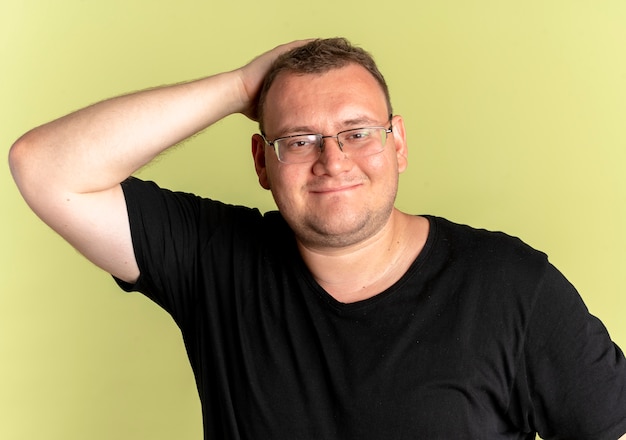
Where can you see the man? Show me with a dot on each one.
(337, 317)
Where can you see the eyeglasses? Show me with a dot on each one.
(356, 142)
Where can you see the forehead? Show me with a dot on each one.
(322, 101)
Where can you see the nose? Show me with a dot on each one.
(332, 158)
(329, 151)
(336, 138)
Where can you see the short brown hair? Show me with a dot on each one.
(320, 56)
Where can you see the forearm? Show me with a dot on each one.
(95, 148)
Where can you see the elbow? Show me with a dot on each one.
(25, 164)
(28, 165)
(19, 159)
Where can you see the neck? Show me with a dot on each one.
(364, 269)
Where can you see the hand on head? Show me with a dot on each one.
(253, 74)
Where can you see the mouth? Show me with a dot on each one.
(335, 189)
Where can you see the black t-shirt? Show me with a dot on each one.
(481, 338)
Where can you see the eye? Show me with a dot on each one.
(299, 144)
(358, 135)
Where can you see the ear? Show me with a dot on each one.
(258, 154)
(399, 142)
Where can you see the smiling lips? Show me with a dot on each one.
(335, 189)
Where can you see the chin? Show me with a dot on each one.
(341, 234)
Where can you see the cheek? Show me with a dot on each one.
(273, 171)
(285, 183)
(384, 163)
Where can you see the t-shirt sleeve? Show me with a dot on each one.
(170, 231)
(575, 375)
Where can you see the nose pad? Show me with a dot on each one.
(339, 143)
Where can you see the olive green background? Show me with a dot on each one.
(515, 113)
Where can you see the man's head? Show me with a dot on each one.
(320, 56)
(337, 198)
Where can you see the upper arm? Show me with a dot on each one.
(94, 222)
(576, 374)
(97, 225)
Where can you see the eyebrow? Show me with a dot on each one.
(355, 122)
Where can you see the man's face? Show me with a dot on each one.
(337, 200)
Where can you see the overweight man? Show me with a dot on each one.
(337, 316)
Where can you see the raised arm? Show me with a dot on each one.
(69, 170)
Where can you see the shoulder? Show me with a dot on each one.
(147, 200)
(481, 245)
(498, 271)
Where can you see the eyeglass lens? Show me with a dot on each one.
(356, 142)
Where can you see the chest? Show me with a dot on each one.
(294, 368)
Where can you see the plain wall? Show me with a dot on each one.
(515, 113)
